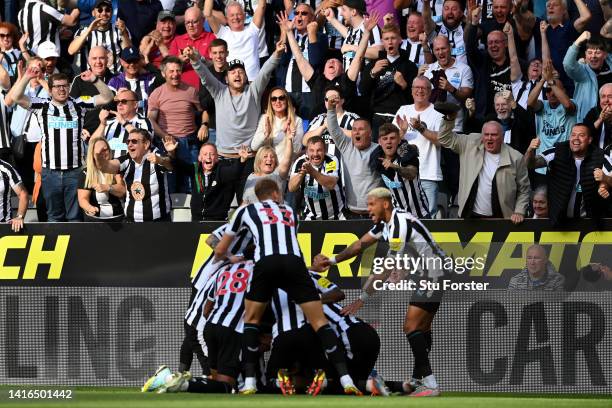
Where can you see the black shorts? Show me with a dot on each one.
(299, 348)
(427, 300)
(364, 349)
(287, 272)
(224, 345)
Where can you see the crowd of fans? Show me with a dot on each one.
(499, 108)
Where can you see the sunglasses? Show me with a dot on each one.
(61, 86)
(2, 35)
(330, 99)
(302, 13)
(281, 98)
(133, 141)
(104, 10)
(124, 101)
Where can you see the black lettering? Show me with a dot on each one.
(474, 346)
(12, 341)
(97, 343)
(534, 316)
(577, 336)
(145, 346)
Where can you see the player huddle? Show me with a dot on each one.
(255, 294)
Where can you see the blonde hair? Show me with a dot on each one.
(381, 193)
(259, 158)
(94, 175)
(290, 108)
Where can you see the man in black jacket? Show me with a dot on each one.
(572, 188)
(211, 195)
(387, 79)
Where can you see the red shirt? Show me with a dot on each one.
(201, 44)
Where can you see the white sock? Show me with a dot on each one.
(250, 382)
(184, 386)
(369, 385)
(346, 381)
(430, 381)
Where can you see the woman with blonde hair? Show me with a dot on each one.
(278, 121)
(267, 165)
(100, 194)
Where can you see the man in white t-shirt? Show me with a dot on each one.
(242, 42)
(419, 124)
(457, 80)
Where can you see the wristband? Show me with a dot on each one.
(332, 261)
(364, 296)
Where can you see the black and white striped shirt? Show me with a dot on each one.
(345, 122)
(10, 63)
(294, 82)
(5, 122)
(147, 198)
(455, 38)
(354, 37)
(408, 194)
(117, 135)
(339, 322)
(231, 284)
(405, 234)
(42, 22)
(10, 179)
(288, 314)
(273, 227)
(141, 86)
(109, 39)
(61, 126)
(414, 50)
(321, 203)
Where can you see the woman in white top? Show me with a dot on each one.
(268, 165)
(278, 121)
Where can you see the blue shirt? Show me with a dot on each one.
(553, 125)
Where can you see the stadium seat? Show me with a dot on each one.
(181, 210)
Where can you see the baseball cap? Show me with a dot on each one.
(358, 5)
(164, 14)
(130, 54)
(107, 2)
(233, 64)
(47, 49)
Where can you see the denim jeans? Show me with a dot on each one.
(60, 191)
(186, 151)
(430, 188)
(212, 136)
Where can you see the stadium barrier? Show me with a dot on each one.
(103, 304)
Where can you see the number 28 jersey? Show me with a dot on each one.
(227, 292)
(273, 227)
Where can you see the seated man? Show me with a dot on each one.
(539, 273)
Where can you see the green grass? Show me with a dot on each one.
(88, 397)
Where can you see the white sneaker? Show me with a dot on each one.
(175, 383)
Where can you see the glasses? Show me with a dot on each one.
(2, 35)
(302, 13)
(133, 141)
(104, 10)
(61, 86)
(327, 99)
(420, 88)
(196, 22)
(124, 101)
(280, 98)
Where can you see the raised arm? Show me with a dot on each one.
(334, 129)
(105, 94)
(5, 79)
(585, 15)
(515, 67)
(524, 19)
(71, 19)
(286, 27)
(430, 25)
(16, 93)
(530, 159)
(211, 83)
(341, 28)
(79, 41)
(576, 71)
(355, 67)
(449, 139)
(285, 163)
(259, 14)
(533, 101)
(545, 46)
(213, 21)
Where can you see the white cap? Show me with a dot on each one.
(47, 49)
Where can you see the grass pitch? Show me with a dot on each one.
(90, 397)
